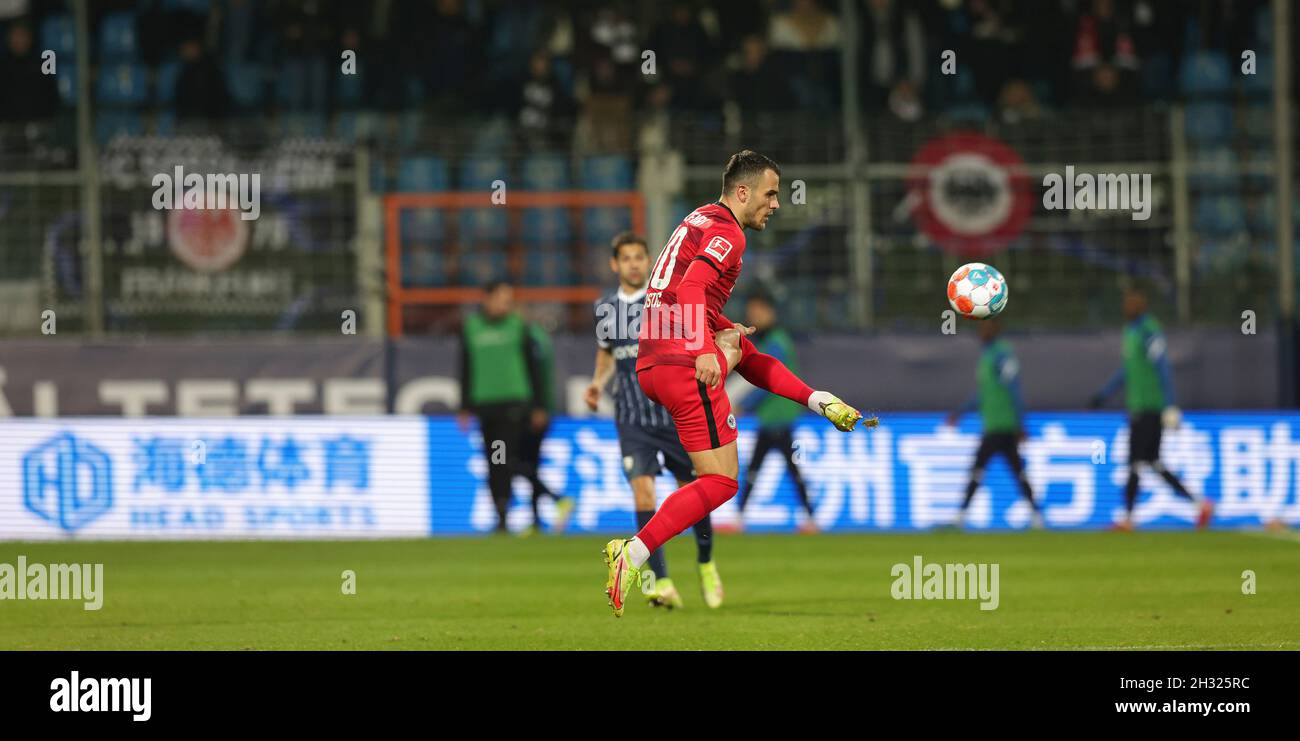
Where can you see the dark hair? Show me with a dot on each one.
(743, 167)
(494, 285)
(623, 238)
(762, 297)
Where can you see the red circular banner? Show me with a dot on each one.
(971, 194)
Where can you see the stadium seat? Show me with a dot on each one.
(164, 87)
(1216, 170)
(607, 172)
(483, 226)
(1258, 169)
(423, 266)
(1219, 215)
(67, 84)
(599, 225)
(422, 226)
(349, 90)
(1209, 123)
(478, 173)
(545, 227)
(246, 84)
(1263, 29)
(421, 174)
(354, 126)
(122, 85)
(109, 124)
(118, 41)
(165, 123)
(549, 267)
(60, 36)
(1205, 73)
(491, 138)
(480, 264)
(545, 172)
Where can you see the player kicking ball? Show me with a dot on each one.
(681, 367)
(645, 429)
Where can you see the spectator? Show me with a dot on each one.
(201, 91)
(683, 50)
(1105, 59)
(545, 109)
(893, 52)
(27, 93)
(759, 85)
(1016, 103)
(805, 28)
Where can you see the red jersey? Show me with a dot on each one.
(676, 331)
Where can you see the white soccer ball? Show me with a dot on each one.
(977, 291)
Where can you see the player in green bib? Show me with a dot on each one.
(1002, 412)
(776, 415)
(507, 383)
(1149, 390)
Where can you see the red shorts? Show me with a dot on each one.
(702, 414)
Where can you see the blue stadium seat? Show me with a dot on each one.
(122, 85)
(479, 265)
(543, 227)
(165, 123)
(1259, 162)
(423, 267)
(109, 124)
(1215, 169)
(422, 174)
(354, 126)
(1205, 73)
(164, 87)
(607, 172)
(423, 226)
(349, 90)
(246, 84)
(1263, 29)
(67, 84)
(60, 35)
(549, 267)
(1260, 84)
(410, 128)
(1219, 215)
(478, 173)
(545, 172)
(117, 38)
(599, 225)
(1209, 123)
(483, 226)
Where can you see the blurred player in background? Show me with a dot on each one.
(680, 365)
(645, 429)
(1149, 388)
(503, 383)
(1002, 411)
(776, 416)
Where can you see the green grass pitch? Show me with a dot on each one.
(1057, 590)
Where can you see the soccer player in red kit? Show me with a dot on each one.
(681, 367)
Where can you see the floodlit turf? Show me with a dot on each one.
(1057, 590)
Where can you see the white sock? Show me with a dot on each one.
(818, 398)
(637, 553)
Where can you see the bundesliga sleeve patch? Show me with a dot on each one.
(718, 248)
